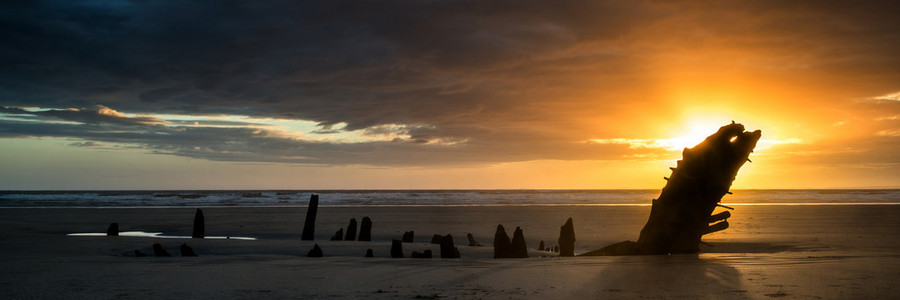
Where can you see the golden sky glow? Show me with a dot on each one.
(444, 95)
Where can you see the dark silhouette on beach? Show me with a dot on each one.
(504, 247)
(566, 239)
(113, 229)
(518, 248)
(408, 237)
(309, 225)
(316, 251)
(436, 239)
(338, 235)
(351, 230)
(158, 250)
(365, 230)
(448, 249)
(502, 244)
(472, 241)
(187, 251)
(199, 225)
(683, 212)
(396, 248)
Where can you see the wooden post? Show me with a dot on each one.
(309, 226)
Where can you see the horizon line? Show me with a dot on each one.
(437, 189)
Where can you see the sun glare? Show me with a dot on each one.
(696, 130)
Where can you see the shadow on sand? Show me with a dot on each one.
(683, 275)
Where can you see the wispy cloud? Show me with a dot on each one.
(393, 144)
(88, 144)
(888, 97)
(679, 143)
(94, 115)
(667, 144)
(890, 133)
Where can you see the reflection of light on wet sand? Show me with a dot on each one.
(160, 235)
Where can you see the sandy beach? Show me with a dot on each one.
(772, 251)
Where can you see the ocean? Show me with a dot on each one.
(251, 198)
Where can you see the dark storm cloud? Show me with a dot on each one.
(362, 63)
(500, 80)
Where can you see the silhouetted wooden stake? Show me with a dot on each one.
(113, 229)
(309, 225)
(316, 251)
(436, 239)
(472, 241)
(518, 247)
(365, 230)
(396, 248)
(158, 250)
(187, 251)
(448, 249)
(338, 235)
(199, 225)
(502, 244)
(408, 237)
(567, 239)
(351, 230)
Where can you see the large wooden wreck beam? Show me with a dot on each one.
(683, 212)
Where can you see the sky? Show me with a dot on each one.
(442, 94)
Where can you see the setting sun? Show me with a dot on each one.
(696, 129)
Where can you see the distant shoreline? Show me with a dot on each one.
(423, 198)
(419, 190)
(437, 205)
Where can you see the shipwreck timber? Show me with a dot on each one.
(683, 212)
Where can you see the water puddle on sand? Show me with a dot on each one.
(161, 236)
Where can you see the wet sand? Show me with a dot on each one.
(786, 252)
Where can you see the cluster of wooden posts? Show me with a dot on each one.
(503, 246)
